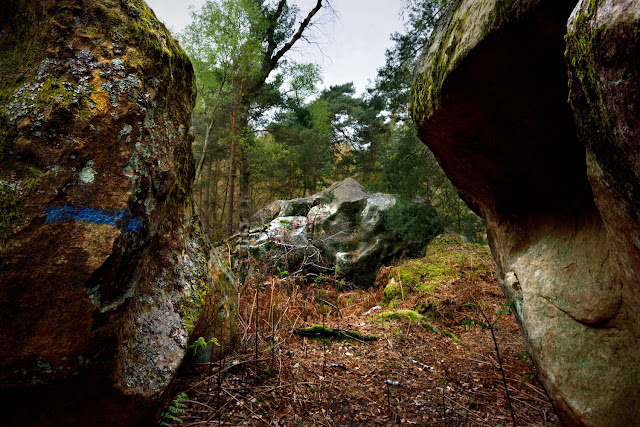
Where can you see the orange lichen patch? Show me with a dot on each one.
(100, 97)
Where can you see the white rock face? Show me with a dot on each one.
(289, 229)
(343, 226)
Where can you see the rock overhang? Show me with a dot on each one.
(490, 99)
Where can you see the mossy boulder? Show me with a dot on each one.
(556, 182)
(448, 256)
(344, 226)
(105, 277)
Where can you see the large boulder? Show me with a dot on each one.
(560, 203)
(343, 226)
(104, 275)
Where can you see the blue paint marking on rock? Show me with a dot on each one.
(132, 224)
(96, 216)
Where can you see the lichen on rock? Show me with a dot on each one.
(104, 272)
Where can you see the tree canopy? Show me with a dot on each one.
(263, 117)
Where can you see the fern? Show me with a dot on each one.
(175, 409)
(201, 344)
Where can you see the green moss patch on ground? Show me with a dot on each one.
(448, 257)
(325, 334)
(414, 316)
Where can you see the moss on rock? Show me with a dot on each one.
(411, 315)
(447, 256)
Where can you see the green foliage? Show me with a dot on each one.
(326, 198)
(416, 222)
(487, 325)
(201, 344)
(174, 410)
(308, 140)
(222, 42)
(404, 165)
(472, 323)
(526, 359)
(394, 79)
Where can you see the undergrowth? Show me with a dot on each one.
(303, 357)
(174, 410)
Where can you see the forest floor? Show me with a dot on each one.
(412, 374)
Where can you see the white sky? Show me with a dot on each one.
(350, 46)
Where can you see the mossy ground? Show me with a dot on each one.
(448, 257)
(301, 377)
(299, 380)
(324, 334)
(414, 316)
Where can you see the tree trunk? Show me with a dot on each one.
(216, 197)
(315, 179)
(243, 199)
(290, 182)
(205, 146)
(243, 196)
(207, 197)
(232, 174)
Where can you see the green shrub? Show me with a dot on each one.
(416, 223)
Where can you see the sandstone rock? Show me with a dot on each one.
(342, 226)
(490, 100)
(104, 276)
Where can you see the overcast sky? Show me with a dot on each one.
(350, 45)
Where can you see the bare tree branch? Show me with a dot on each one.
(297, 35)
(271, 59)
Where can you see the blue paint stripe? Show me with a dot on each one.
(96, 216)
(133, 225)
